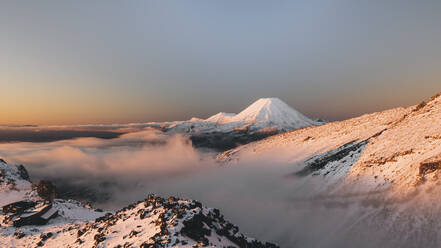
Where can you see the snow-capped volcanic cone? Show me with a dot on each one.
(263, 113)
(272, 112)
(265, 117)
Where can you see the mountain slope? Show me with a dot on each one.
(220, 118)
(14, 183)
(382, 169)
(399, 138)
(303, 143)
(153, 222)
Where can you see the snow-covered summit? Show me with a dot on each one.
(272, 112)
(265, 117)
(262, 114)
(221, 118)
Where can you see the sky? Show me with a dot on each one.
(81, 62)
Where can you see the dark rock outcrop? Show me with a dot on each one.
(222, 141)
(319, 162)
(198, 224)
(46, 190)
(430, 165)
(23, 172)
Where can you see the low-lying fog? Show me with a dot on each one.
(258, 197)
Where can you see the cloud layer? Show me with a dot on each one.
(257, 196)
(94, 164)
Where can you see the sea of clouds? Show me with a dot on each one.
(257, 196)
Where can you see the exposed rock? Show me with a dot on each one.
(222, 141)
(46, 190)
(45, 236)
(194, 228)
(384, 160)
(430, 165)
(425, 102)
(196, 223)
(19, 234)
(23, 172)
(319, 162)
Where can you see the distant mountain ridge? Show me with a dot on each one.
(222, 131)
(263, 113)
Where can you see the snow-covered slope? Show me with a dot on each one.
(14, 183)
(300, 144)
(398, 138)
(384, 168)
(153, 222)
(221, 118)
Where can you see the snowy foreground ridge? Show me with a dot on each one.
(396, 144)
(153, 222)
(383, 168)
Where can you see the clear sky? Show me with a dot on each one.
(70, 62)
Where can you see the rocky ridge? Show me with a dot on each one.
(153, 222)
